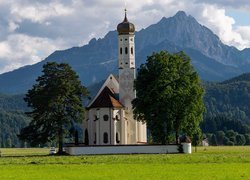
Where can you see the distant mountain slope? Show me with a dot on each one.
(243, 77)
(93, 62)
(230, 98)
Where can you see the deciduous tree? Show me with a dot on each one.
(169, 96)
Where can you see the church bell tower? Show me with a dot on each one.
(134, 131)
(126, 60)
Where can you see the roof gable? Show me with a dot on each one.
(112, 84)
(106, 99)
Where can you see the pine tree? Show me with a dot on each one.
(56, 102)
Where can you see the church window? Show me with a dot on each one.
(117, 137)
(95, 138)
(120, 39)
(132, 50)
(126, 39)
(120, 50)
(126, 50)
(105, 117)
(86, 139)
(105, 138)
(131, 39)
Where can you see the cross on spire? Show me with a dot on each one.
(125, 18)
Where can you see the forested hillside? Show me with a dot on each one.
(230, 98)
(226, 121)
(227, 117)
(12, 119)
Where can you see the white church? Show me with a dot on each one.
(109, 116)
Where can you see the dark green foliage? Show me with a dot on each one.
(196, 140)
(171, 90)
(220, 135)
(10, 124)
(223, 123)
(247, 137)
(227, 131)
(12, 119)
(214, 140)
(230, 98)
(240, 139)
(56, 102)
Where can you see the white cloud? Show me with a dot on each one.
(31, 30)
(19, 50)
(216, 19)
(38, 12)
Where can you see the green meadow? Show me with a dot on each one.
(208, 163)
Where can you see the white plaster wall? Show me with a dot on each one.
(126, 58)
(146, 149)
(105, 126)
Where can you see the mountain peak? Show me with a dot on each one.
(181, 14)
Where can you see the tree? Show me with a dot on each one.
(240, 139)
(247, 137)
(56, 102)
(220, 135)
(171, 91)
(196, 140)
(214, 140)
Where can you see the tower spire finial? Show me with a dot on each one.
(125, 18)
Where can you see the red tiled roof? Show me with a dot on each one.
(106, 99)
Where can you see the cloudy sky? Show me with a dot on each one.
(30, 30)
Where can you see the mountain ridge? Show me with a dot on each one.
(94, 61)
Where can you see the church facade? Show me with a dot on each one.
(109, 116)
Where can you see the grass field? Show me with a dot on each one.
(207, 163)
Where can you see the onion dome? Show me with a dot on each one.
(125, 27)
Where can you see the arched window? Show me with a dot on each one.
(117, 137)
(126, 50)
(120, 50)
(95, 138)
(117, 117)
(105, 117)
(132, 50)
(86, 139)
(105, 138)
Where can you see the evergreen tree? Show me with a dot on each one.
(214, 140)
(56, 102)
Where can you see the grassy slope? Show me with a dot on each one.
(208, 163)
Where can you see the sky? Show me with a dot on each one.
(30, 30)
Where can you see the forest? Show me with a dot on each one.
(226, 120)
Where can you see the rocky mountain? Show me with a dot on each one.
(93, 62)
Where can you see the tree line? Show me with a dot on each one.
(225, 121)
(223, 130)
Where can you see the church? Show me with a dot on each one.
(109, 116)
